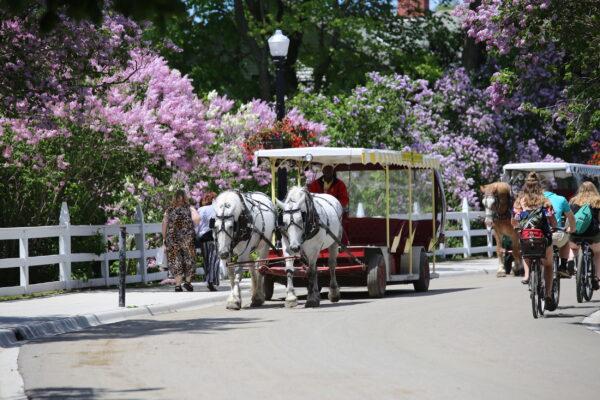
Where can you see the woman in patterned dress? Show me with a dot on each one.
(178, 234)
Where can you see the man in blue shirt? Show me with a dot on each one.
(561, 207)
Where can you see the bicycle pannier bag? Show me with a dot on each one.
(533, 243)
(583, 219)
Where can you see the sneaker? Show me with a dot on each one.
(212, 287)
(188, 286)
(550, 305)
(178, 288)
(595, 283)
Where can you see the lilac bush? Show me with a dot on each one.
(449, 120)
(93, 116)
(544, 59)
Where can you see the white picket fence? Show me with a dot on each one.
(65, 231)
(465, 216)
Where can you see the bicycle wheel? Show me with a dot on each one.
(541, 289)
(579, 277)
(555, 279)
(533, 287)
(588, 291)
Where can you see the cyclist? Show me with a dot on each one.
(532, 209)
(588, 194)
(561, 207)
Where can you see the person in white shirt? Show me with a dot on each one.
(206, 242)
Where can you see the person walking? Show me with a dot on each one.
(206, 242)
(178, 235)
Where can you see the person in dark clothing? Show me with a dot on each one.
(588, 194)
(206, 242)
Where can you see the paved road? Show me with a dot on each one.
(470, 337)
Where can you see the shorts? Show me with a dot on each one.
(590, 239)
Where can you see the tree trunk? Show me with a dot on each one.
(474, 54)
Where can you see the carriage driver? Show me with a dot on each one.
(330, 184)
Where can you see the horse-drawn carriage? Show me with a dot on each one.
(564, 178)
(396, 216)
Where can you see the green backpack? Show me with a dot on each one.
(583, 219)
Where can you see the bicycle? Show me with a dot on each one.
(555, 267)
(533, 248)
(585, 271)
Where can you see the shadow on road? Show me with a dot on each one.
(402, 292)
(563, 315)
(360, 295)
(82, 393)
(148, 327)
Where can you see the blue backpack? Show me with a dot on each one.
(583, 219)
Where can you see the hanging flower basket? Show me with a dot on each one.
(281, 135)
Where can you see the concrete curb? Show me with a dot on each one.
(13, 336)
(446, 274)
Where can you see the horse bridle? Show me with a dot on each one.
(494, 214)
(309, 217)
(242, 228)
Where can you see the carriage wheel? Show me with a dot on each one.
(269, 285)
(422, 285)
(376, 278)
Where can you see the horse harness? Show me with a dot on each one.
(244, 227)
(312, 224)
(496, 216)
(310, 217)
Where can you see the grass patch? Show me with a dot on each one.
(32, 295)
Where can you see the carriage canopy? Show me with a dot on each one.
(563, 178)
(348, 156)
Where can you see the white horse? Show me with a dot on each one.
(305, 217)
(244, 222)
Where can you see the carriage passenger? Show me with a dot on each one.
(533, 210)
(329, 183)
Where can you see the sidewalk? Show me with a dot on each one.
(68, 312)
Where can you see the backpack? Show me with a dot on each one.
(583, 219)
(535, 219)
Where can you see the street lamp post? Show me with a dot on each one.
(278, 47)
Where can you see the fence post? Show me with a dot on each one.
(140, 243)
(105, 263)
(64, 246)
(466, 227)
(122, 265)
(24, 255)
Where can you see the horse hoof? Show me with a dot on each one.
(257, 302)
(291, 303)
(334, 297)
(232, 305)
(500, 274)
(312, 304)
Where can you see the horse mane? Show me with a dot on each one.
(499, 188)
(294, 194)
(228, 199)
